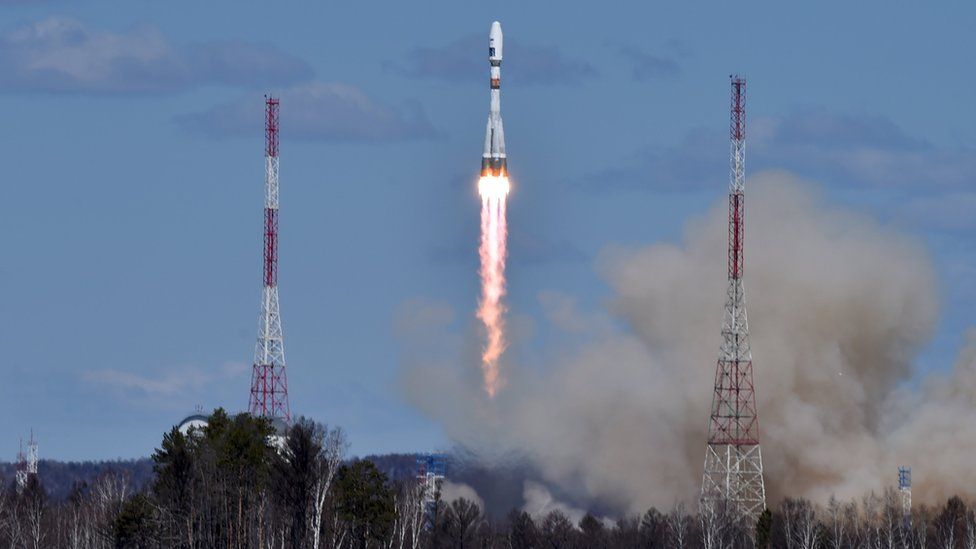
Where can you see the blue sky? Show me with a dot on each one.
(133, 173)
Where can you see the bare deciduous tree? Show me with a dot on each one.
(949, 524)
(892, 523)
(970, 541)
(838, 517)
(408, 526)
(679, 527)
(557, 531)
(800, 524)
(334, 447)
(713, 519)
(462, 521)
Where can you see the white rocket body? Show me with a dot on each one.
(493, 159)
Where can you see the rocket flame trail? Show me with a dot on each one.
(494, 234)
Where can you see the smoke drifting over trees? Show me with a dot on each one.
(839, 306)
(195, 502)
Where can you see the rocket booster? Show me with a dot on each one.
(493, 159)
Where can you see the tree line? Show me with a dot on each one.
(238, 484)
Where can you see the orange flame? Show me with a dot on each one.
(494, 234)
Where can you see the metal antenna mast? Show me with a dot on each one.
(733, 462)
(269, 384)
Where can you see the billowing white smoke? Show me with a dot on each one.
(838, 307)
(451, 491)
(539, 503)
(934, 429)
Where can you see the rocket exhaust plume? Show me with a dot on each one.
(493, 188)
(494, 233)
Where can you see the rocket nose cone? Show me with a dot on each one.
(496, 31)
(495, 43)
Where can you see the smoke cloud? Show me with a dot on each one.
(451, 491)
(839, 306)
(539, 503)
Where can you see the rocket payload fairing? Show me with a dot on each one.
(493, 159)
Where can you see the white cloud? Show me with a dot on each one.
(462, 61)
(61, 55)
(325, 111)
(172, 382)
(836, 148)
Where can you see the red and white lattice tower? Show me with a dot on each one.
(269, 384)
(733, 462)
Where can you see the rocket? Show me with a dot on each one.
(493, 159)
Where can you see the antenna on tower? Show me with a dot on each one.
(269, 384)
(905, 489)
(733, 460)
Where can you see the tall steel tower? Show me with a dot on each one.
(26, 463)
(431, 471)
(21, 472)
(269, 384)
(32, 455)
(905, 489)
(733, 462)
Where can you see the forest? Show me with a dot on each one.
(238, 484)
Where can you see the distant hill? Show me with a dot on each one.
(395, 466)
(59, 477)
(500, 487)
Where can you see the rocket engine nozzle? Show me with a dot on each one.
(494, 167)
